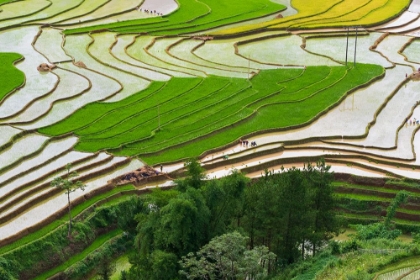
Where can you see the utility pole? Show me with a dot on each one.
(347, 44)
(355, 47)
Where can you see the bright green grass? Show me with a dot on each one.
(193, 16)
(10, 77)
(99, 241)
(54, 225)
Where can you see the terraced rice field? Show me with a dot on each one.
(139, 83)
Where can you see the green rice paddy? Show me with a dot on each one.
(10, 77)
(206, 113)
(193, 16)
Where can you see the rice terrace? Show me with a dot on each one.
(127, 91)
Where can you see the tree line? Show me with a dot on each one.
(233, 227)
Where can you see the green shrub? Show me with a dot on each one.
(360, 274)
(376, 230)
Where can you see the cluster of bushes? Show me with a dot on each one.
(42, 254)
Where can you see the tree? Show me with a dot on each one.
(226, 257)
(183, 224)
(325, 223)
(195, 176)
(69, 186)
(105, 269)
(224, 198)
(296, 213)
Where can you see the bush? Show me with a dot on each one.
(359, 275)
(350, 246)
(376, 230)
(335, 247)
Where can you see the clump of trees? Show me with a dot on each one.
(233, 227)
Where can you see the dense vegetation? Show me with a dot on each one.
(174, 225)
(280, 213)
(275, 227)
(214, 111)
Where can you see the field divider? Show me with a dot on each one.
(209, 61)
(148, 47)
(51, 16)
(146, 109)
(165, 68)
(168, 51)
(17, 212)
(386, 29)
(112, 66)
(251, 115)
(62, 214)
(405, 46)
(37, 98)
(146, 122)
(44, 177)
(19, 160)
(2, 170)
(42, 187)
(97, 72)
(88, 253)
(57, 24)
(244, 42)
(372, 157)
(57, 101)
(228, 145)
(321, 19)
(22, 17)
(97, 18)
(132, 64)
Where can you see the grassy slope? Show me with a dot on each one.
(193, 16)
(191, 108)
(10, 77)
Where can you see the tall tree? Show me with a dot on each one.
(69, 186)
(325, 223)
(195, 175)
(224, 198)
(295, 211)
